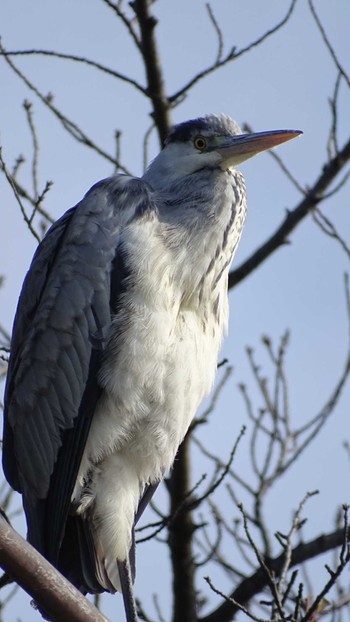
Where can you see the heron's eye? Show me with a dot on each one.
(200, 143)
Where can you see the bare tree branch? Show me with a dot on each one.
(24, 194)
(53, 593)
(329, 229)
(180, 540)
(233, 54)
(287, 543)
(77, 59)
(256, 582)
(328, 44)
(28, 108)
(332, 147)
(314, 196)
(220, 478)
(218, 32)
(287, 172)
(22, 208)
(72, 128)
(151, 59)
(116, 7)
(344, 559)
(230, 599)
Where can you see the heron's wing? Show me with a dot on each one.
(60, 331)
(28, 303)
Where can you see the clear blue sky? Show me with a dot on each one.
(284, 83)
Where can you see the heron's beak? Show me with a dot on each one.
(244, 146)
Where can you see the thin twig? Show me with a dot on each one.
(196, 502)
(327, 43)
(145, 145)
(218, 32)
(117, 136)
(18, 199)
(255, 583)
(77, 59)
(344, 559)
(72, 128)
(203, 417)
(40, 199)
(116, 7)
(329, 229)
(287, 172)
(234, 602)
(28, 108)
(332, 146)
(157, 608)
(288, 542)
(168, 520)
(269, 577)
(246, 127)
(337, 187)
(293, 217)
(141, 612)
(22, 192)
(233, 54)
(18, 163)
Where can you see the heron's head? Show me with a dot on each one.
(209, 142)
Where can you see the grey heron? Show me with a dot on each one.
(115, 344)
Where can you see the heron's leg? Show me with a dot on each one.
(128, 590)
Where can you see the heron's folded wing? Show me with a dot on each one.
(59, 335)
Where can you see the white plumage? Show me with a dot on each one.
(161, 356)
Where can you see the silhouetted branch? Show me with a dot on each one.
(327, 43)
(314, 196)
(151, 59)
(230, 599)
(233, 54)
(180, 539)
(329, 229)
(332, 147)
(72, 128)
(287, 542)
(204, 416)
(220, 478)
(77, 59)
(218, 32)
(255, 583)
(116, 7)
(283, 443)
(168, 520)
(145, 145)
(344, 559)
(29, 113)
(27, 219)
(287, 172)
(24, 194)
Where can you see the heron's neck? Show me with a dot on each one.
(172, 166)
(203, 217)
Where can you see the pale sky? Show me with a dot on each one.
(285, 83)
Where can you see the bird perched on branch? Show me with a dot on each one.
(115, 345)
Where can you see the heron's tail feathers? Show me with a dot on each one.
(94, 565)
(83, 562)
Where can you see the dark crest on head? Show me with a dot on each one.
(210, 125)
